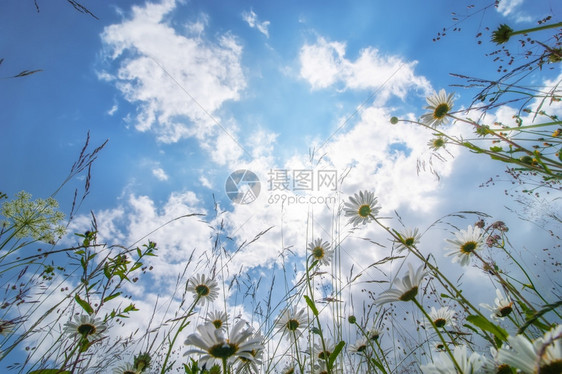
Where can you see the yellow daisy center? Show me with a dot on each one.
(468, 247)
(223, 350)
(86, 329)
(292, 324)
(441, 111)
(364, 211)
(440, 322)
(553, 367)
(410, 294)
(202, 290)
(217, 323)
(318, 253)
(505, 311)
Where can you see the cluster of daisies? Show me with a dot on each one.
(237, 347)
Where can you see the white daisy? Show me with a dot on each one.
(288, 369)
(203, 288)
(466, 243)
(444, 365)
(543, 355)
(408, 238)
(361, 208)
(321, 353)
(502, 308)
(251, 366)
(126, 369)
(359, 347)
(291, 322)
(374, 334)
(405, 289)
(218, 319)
(85, 326)
(441, 317)
(440, 106)
(493, 366)
(320, 251)
(214, 346)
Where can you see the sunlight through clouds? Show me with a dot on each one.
(178, 81)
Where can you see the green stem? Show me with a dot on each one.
(301, 364)
(316, 317)
(373, 348)
(181, 327)
(538, 28)
(439, 334)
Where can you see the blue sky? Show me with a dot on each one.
(189, 91)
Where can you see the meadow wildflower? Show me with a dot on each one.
(502, 307)
(126, 369)
(39, 219)
(464, 245)
(543, 355)
(320, 251)
(251, 366)
(441, 317)
(215, 347)
(442, 364)
(86, 327)
(218, 319)
(439, 107)
(361, 208)
(408, 239)
(437, 143)
(204, 288)
(359, 346)
(374, 334)
(323, 352)
(405, 289)
(291, 322)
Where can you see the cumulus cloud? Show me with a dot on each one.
(323, 64)
(160, 174)
(177, 81)
(252, 19)
(507, 7)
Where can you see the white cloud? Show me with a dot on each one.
(178, 81)
(507, 7)
(160, 174)
(112, 110)
(323, 64)
(205, 182)
(252, 19)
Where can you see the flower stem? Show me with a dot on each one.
(538, 28)
(181, 327)
(438, 333)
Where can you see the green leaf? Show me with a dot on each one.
(486, 325)
(130, 308)
(334, 354)
(378, 365)
(84, 304)
(532, 317)
(111, 297)
(311, 305)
